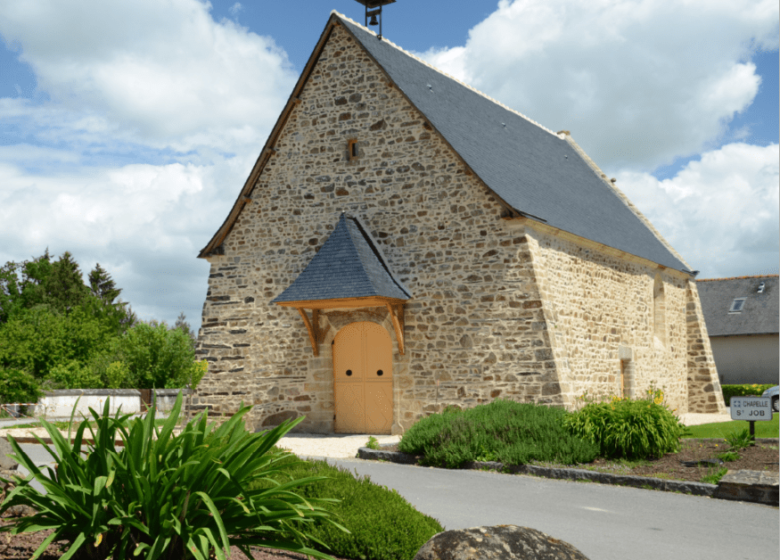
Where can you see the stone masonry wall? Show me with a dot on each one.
(600, 309)
(474, 330)
(705, 394)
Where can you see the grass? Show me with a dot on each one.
(721, 430)
(382, 524)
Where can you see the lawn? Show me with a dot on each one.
(722, 429)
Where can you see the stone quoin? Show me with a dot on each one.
(397, 216)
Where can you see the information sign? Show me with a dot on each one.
(753, 409)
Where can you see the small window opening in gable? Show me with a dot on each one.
(352, 149)
(737, 305)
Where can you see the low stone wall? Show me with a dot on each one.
(60, 404)
(166, 398)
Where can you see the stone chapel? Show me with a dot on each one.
(405, 243)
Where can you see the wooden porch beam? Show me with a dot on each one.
(399, 331)
(312, 328)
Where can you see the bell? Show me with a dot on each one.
(373, 20)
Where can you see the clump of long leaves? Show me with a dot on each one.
(630, 429)
(163, 495)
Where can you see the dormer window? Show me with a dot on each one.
(737, 305)
(352, 149)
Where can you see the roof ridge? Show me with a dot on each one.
(738, 277)
(453, 78)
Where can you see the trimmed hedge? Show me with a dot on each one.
(382, 524)
(504, 431)
(753, 390)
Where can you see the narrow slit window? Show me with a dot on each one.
(352, 149)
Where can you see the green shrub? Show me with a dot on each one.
(630, 429)
(162, 495)
(382, 524)
(504, 431)
(18, 386)
(753, 390)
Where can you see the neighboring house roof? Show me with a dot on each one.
(535, 172)
(759, 314)
(348, 265)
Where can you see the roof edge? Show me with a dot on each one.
(565, 135)
(738, 278)
(380, 255)
(268, 150)
(547, 229)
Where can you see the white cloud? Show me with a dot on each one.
(235, 9)
(721, 212)
(157, 72)
(637, 82)
(147, 118)
(144, 223)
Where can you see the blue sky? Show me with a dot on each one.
(127, 129)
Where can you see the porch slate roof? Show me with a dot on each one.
(348, 265)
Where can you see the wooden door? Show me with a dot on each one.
(363, 379)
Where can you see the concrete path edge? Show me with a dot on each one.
(648, 483)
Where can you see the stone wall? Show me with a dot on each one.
(477, 326)
(600, 309)
(704, 392)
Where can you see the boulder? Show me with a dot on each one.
(501, 542)
(6, 463)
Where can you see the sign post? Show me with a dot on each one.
(752, 409)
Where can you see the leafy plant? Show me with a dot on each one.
(633, 429)
(504, 431)
(740, 440)
(372, 443)
(163, 495)
(714, 477)
(729, 456)
(382, 524)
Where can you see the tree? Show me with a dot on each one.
(104, 290)
(182, 324)
(155, 356)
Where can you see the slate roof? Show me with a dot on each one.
(348, 265)
(760, 314)
(533, 170)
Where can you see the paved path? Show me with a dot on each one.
(604, 522)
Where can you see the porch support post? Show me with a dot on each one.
(399, 331)
(311, 328)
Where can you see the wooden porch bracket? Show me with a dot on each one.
(313, 328)
(397, 315)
